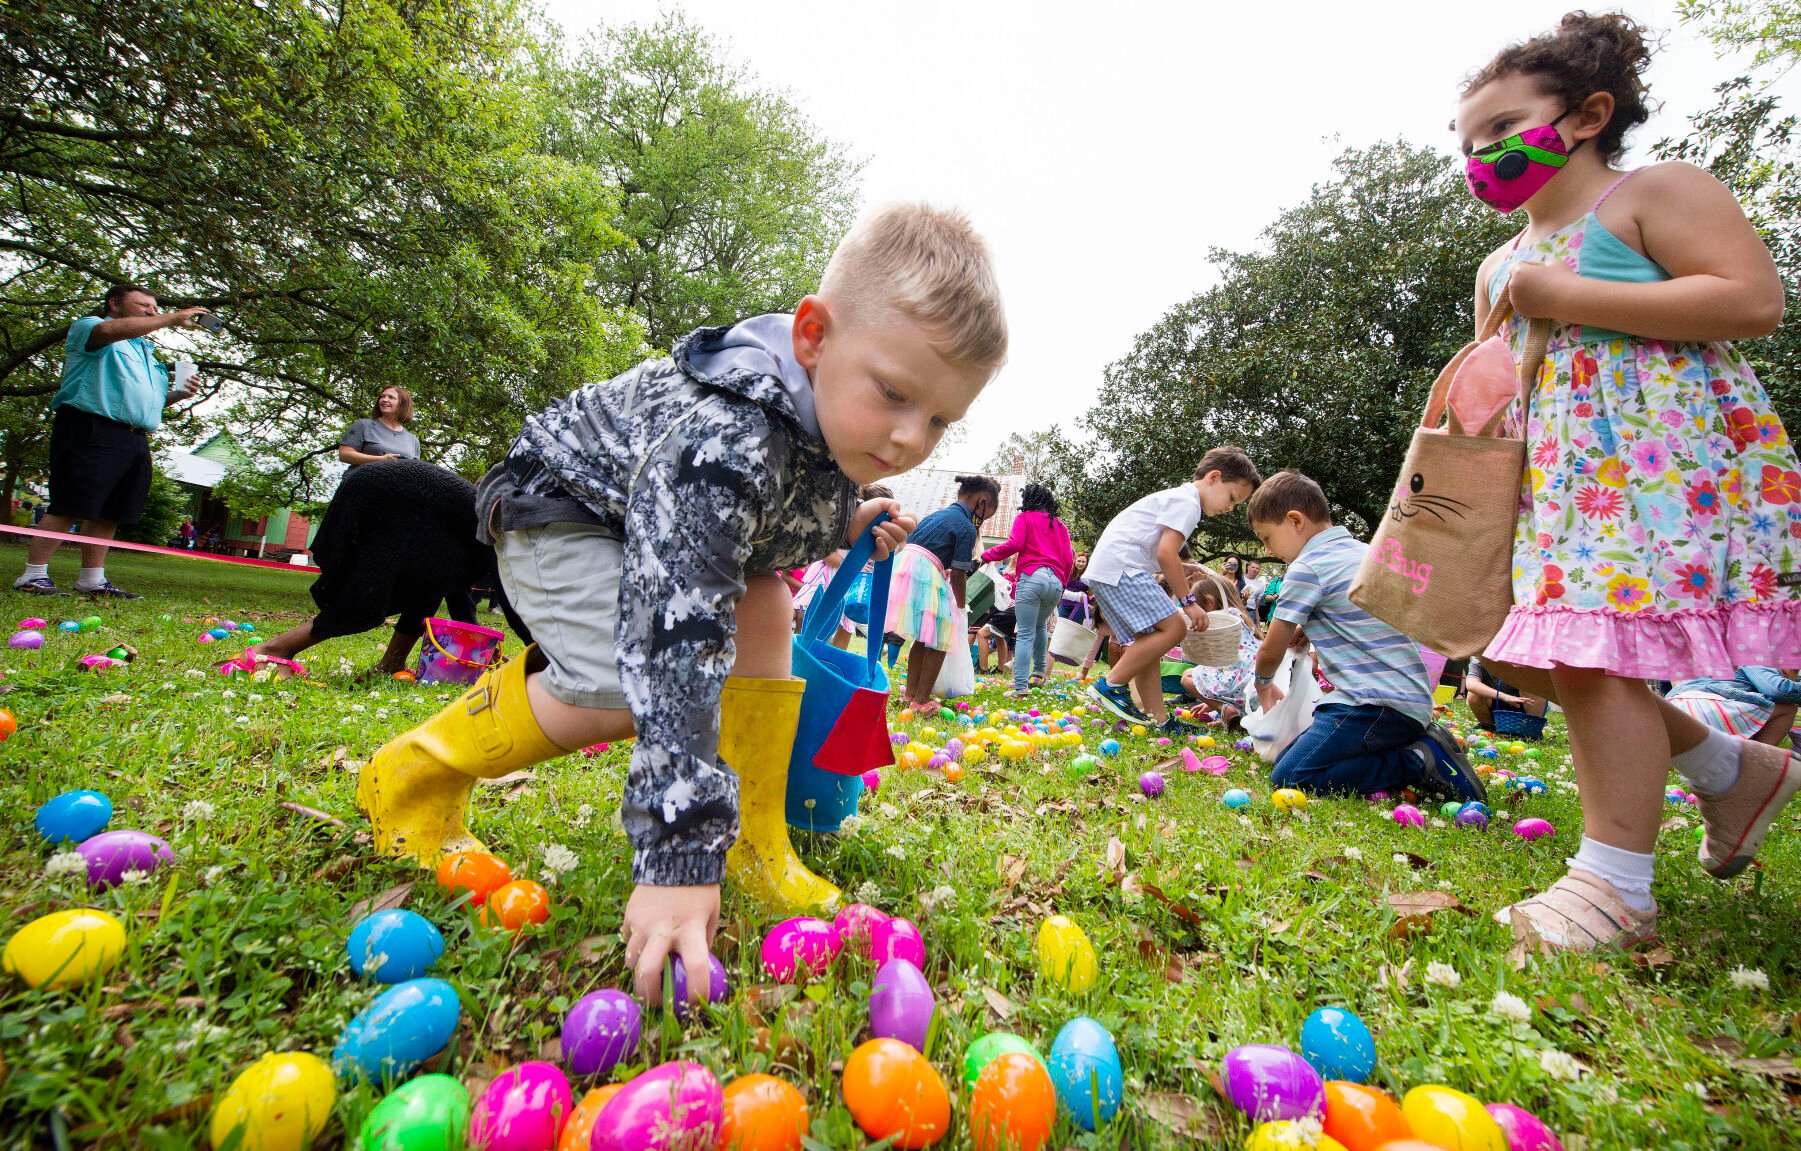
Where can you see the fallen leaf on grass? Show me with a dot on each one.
(998, 1003)
(1183, 1114)
(388, 900)
(1181, 911)
(1672, 823)
(1131, 885)
(1656, 957)
(1777, 1066)
(314, 813)
(594, 946)
(1413, 911)
(510, 777)
(1726, 1045)
(1116, 857)
(1011, 869)
(336, 869)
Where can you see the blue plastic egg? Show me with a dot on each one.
(74, 816)
(1109, 747)
(218, 633)
(246, 627)
(1085, 1071)
(394, 946)
(70, 625)
(406, 1025)
(1475, 805)
(1338, 1045)
(1533, 786)
(1237, 797)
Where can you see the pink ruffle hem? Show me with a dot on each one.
(1712, 641)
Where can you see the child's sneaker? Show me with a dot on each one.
(1737, 820)
(1116, 700)
(107, 589)
(40, 585)
(1176, 729)
(1447, 774)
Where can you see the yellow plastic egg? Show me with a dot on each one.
(1451, 1119)
(1138, 729)
(1065, 957)
(1287, 1135)
(1288, 799)
(974, 755)
(65, 948)
(928, 733)
(278, 1103)
(1205, 741)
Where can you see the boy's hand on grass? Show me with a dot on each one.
(665, 921)
(891, 535)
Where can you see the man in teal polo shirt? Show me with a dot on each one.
(112, 397)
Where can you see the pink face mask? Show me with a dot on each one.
(1509, 172)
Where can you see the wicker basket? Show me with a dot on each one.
(1218, 645)
(1071, 642)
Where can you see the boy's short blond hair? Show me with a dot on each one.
(930, 265)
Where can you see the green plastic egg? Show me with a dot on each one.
(430, 1113)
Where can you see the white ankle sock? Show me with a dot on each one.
(91, 578)
(37, 571)
(1711, 766)
(1628, 871)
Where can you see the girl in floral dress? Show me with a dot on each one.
(1659, 533)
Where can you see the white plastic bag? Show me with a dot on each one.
(1271, 732)
(958, 675)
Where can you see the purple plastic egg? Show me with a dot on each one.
(1244, 745)
(1524, 1130)
(1534, 828)
(897, 939)
(718, 985)
(1408, 815)
(1473, 818)
(900, 739)
(939, 761)
(953, 747)
(673, 1105)
(600, 1032)
(1216, 765)
(855, 924)
(523, 1109)
(901, 1004)
(1268, 1082)
(1377, 797)
(113, 853)
(872, 780)
(1151, 783)
(28, 640)
(799, 947)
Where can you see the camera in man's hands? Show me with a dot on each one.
(208, 321)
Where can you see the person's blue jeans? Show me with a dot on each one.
(1034, 602)
(1351, 749)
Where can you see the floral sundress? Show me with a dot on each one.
(1659, 531)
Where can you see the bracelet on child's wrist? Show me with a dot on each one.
(1263, 680)
(1186, 601)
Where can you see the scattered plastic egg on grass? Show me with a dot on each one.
(64, 948)
(111, 854)
(1408, 815)
(719, 985)
(855, 924)
(406, 1025)
(984, 1050)
(9, 725)
(1338, 1045)
(896, 938)
(279, 1103)
(393, 946)
(1534, 828)
(1448, 1118)
(28, 640)
(1523, 1130)
(515, 904)
(522, 1109)
(430, 1113)
(1151, 783)
(600, 1032)
(73, 816)
(475, 872)
(1269, 1082)
(1473, 818)
(1236, 797)
(1288, 799)
(893, 1092)
(1109, 747)
(1014, 1104)
(578, 1133)
(901, 1004)
(31, 622)
(800, 947)
(1362, 1118)
(1065, 955)
(762, 1113)
(1287, 1135)
(1086, 1074)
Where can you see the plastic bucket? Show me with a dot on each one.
(1071, 642)
(456, 652)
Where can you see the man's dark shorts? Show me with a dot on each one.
(99, 468)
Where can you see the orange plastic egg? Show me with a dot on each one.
(763, 1113)
(1014, 1105)
(578, 1133)
(516, 904)
(1409, 1145)
(893, 1092)
(1363, 1118)
(953, 773)
(8, 725)
(476, 872)
(405, 676)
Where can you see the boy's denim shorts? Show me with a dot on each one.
(563, 580)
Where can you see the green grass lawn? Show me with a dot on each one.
(1214, 927)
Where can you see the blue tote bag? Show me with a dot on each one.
(844, 712)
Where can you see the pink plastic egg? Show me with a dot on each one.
(32, 621)
(798, 947)
(523, 1109)
(872, 779)
(1190, 761)
(1216, 765)
(671, 1106)
(897, 939)
(855, 923)
(1408, 815)
(1534, 828)
(901, 1004)
(204, 637)
(1524, 1130)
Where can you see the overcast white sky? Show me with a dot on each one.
(1104, 148)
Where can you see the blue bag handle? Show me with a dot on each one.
(824, 612)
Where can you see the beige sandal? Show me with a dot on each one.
(1580, 912)
(1737, 820)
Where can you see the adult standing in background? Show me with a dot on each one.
(931, 579)
(382, 434)
(1254, 583)
(112, 397)
(1046, 560)
(1074, 603)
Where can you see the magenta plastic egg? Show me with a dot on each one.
(28, 640)
(523, 1109)
(798, 947)
(897, 939)
(855, 923)
(1534, 828)
(1268, 1082)
(204, 637)
(1408, 815)
(872, 780)
(1151, 783)
(33, 622)
(1216, 765)
(673, 1105)
(1524, 1130)
(111, 854)
(901, 1004)
(1190, 761)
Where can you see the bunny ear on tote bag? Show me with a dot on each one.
(1440, 566)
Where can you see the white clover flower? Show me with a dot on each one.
(1352, 853)
(897, 851)
(1510, 1007)
(1750, 979)
(868, 892)
(1698, 1090)
(168, 685)
(559, 859)
(1442, 975)
(197, 810)
(213, 875)
(1436, 822)
(242, 720)
(583, 814)
(944, 894)
(1503, 813)
(849, 825)
(63, 863)
(345, 667)
(135, 877)
(228, 694)
(253, 697)
(358, 707)
(193, 673)
(1560, 1065)
(1399, 857)
(887, 811)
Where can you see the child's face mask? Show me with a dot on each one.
(1507, 173)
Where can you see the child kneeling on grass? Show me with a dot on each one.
(1375, 732)
(640, 525)
(1147, 538)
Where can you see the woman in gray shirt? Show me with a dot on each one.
(383, 435)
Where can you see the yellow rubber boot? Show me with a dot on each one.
(757, 722)
(416, 788)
